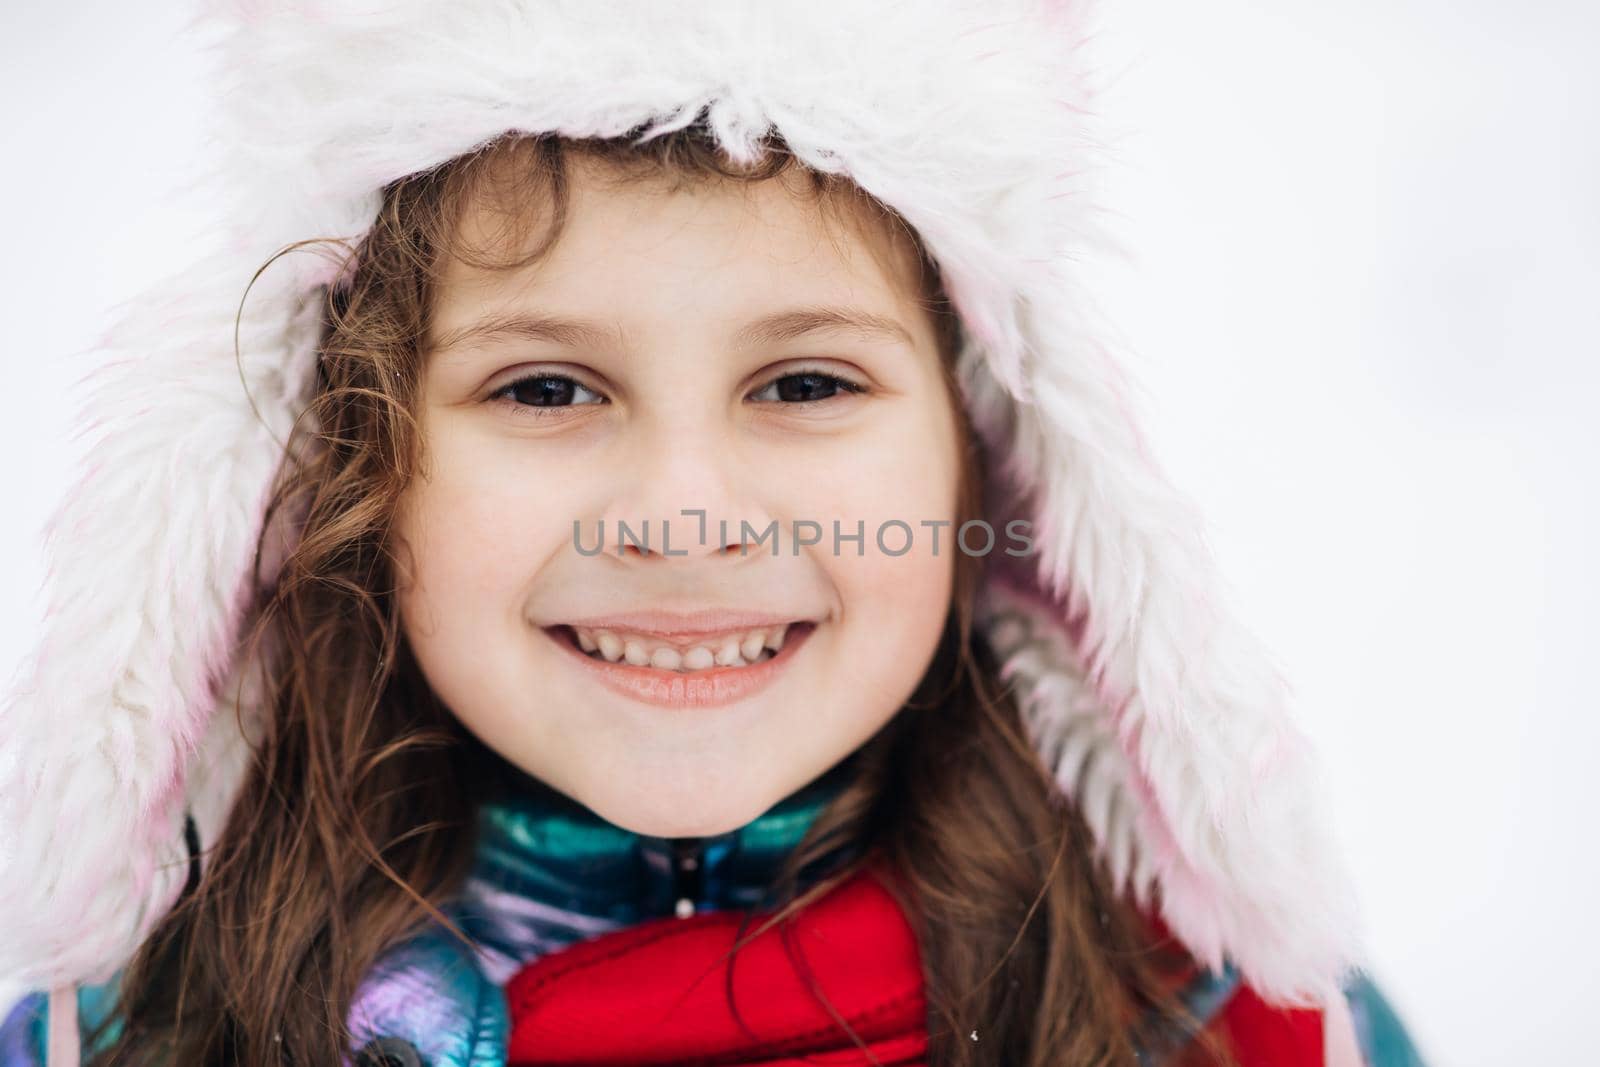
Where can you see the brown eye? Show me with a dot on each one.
(805, 387)
(544, 391)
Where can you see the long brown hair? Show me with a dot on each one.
(354, 821)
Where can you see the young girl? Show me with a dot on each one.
(673, 580)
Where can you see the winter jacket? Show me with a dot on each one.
(1154, 708)
(572, 917)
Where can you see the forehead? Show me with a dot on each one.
(653, 249)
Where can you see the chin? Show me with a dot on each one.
(705, 813)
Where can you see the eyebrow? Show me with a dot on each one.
(798, 322)
(769, 329)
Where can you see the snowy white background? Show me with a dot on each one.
(1365, 298)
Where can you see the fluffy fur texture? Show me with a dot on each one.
(1157, 712)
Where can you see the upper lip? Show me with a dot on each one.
(684, 625)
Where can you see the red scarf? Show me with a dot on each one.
(657, 993)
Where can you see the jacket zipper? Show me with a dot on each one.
(687, 870)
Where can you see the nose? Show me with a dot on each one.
(691, 494)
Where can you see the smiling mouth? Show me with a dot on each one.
(724, 653)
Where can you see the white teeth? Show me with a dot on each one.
(775, 636)
(734, 650)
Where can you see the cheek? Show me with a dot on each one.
(897, 482)
(893, 595)
(470, 539)
(891, 615)
(476, 532)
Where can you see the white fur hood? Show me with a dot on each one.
(975, 120)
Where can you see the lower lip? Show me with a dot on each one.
(698, 689)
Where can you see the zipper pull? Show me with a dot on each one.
(687, 854)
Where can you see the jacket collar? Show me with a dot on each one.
(548, 871)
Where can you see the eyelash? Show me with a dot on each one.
(540, 411)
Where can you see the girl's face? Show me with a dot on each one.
(674, 352)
